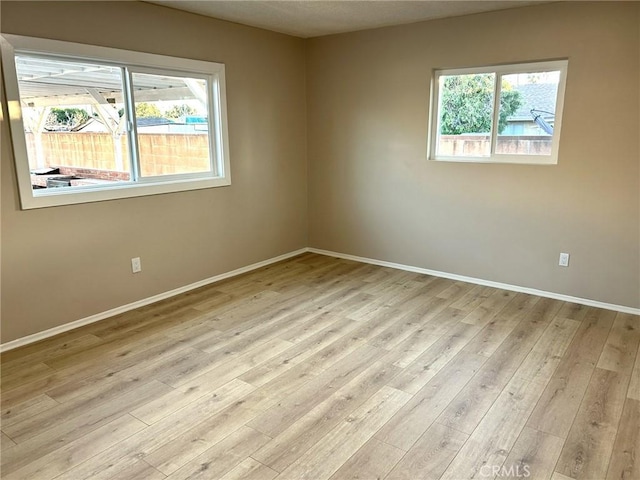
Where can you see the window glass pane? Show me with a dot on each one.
(527, 113)
(173, 124)
(466, 115)
(74, 122)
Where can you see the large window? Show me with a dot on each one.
(92, 123)
(506, 113)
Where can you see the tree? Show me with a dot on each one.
(66, 118)
(147, 110)
(467, 104)
(178, 111)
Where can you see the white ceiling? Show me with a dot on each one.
(313, 18)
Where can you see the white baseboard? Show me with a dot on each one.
(141, 303)
(479, 281)
(177, 291)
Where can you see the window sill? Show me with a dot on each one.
(502, 159)
(31, 199)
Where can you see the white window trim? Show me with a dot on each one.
(499, 70)
(137, 61)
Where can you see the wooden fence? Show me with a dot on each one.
(474, 145)
(160, 153)
(169, 153)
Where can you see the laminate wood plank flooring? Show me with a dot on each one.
(327, 369)
(625, 459)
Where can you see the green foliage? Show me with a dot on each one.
(151, 110)
(467, 104)
(510, 101)
(66, 118)
(178, 111)
(147, 110)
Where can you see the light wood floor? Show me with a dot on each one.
(318, 368)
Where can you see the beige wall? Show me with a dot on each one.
(371, 191)
(373, 194)
(65, 263)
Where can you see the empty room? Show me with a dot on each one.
(321, 240)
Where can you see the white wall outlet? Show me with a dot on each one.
(564, 260)
(136, 266)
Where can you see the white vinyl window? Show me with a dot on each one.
(92, 123)
(498, 114)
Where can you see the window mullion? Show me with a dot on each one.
(496, 113)
(132, 130)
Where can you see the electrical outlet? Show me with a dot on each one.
(136, 266)
(564, 260)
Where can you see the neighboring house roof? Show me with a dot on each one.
(94, 125)
(540, 96)
(152, 121)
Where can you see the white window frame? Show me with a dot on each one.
(499, 71)
(136, 62)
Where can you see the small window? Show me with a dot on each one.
(92, 123)
(501, 114)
